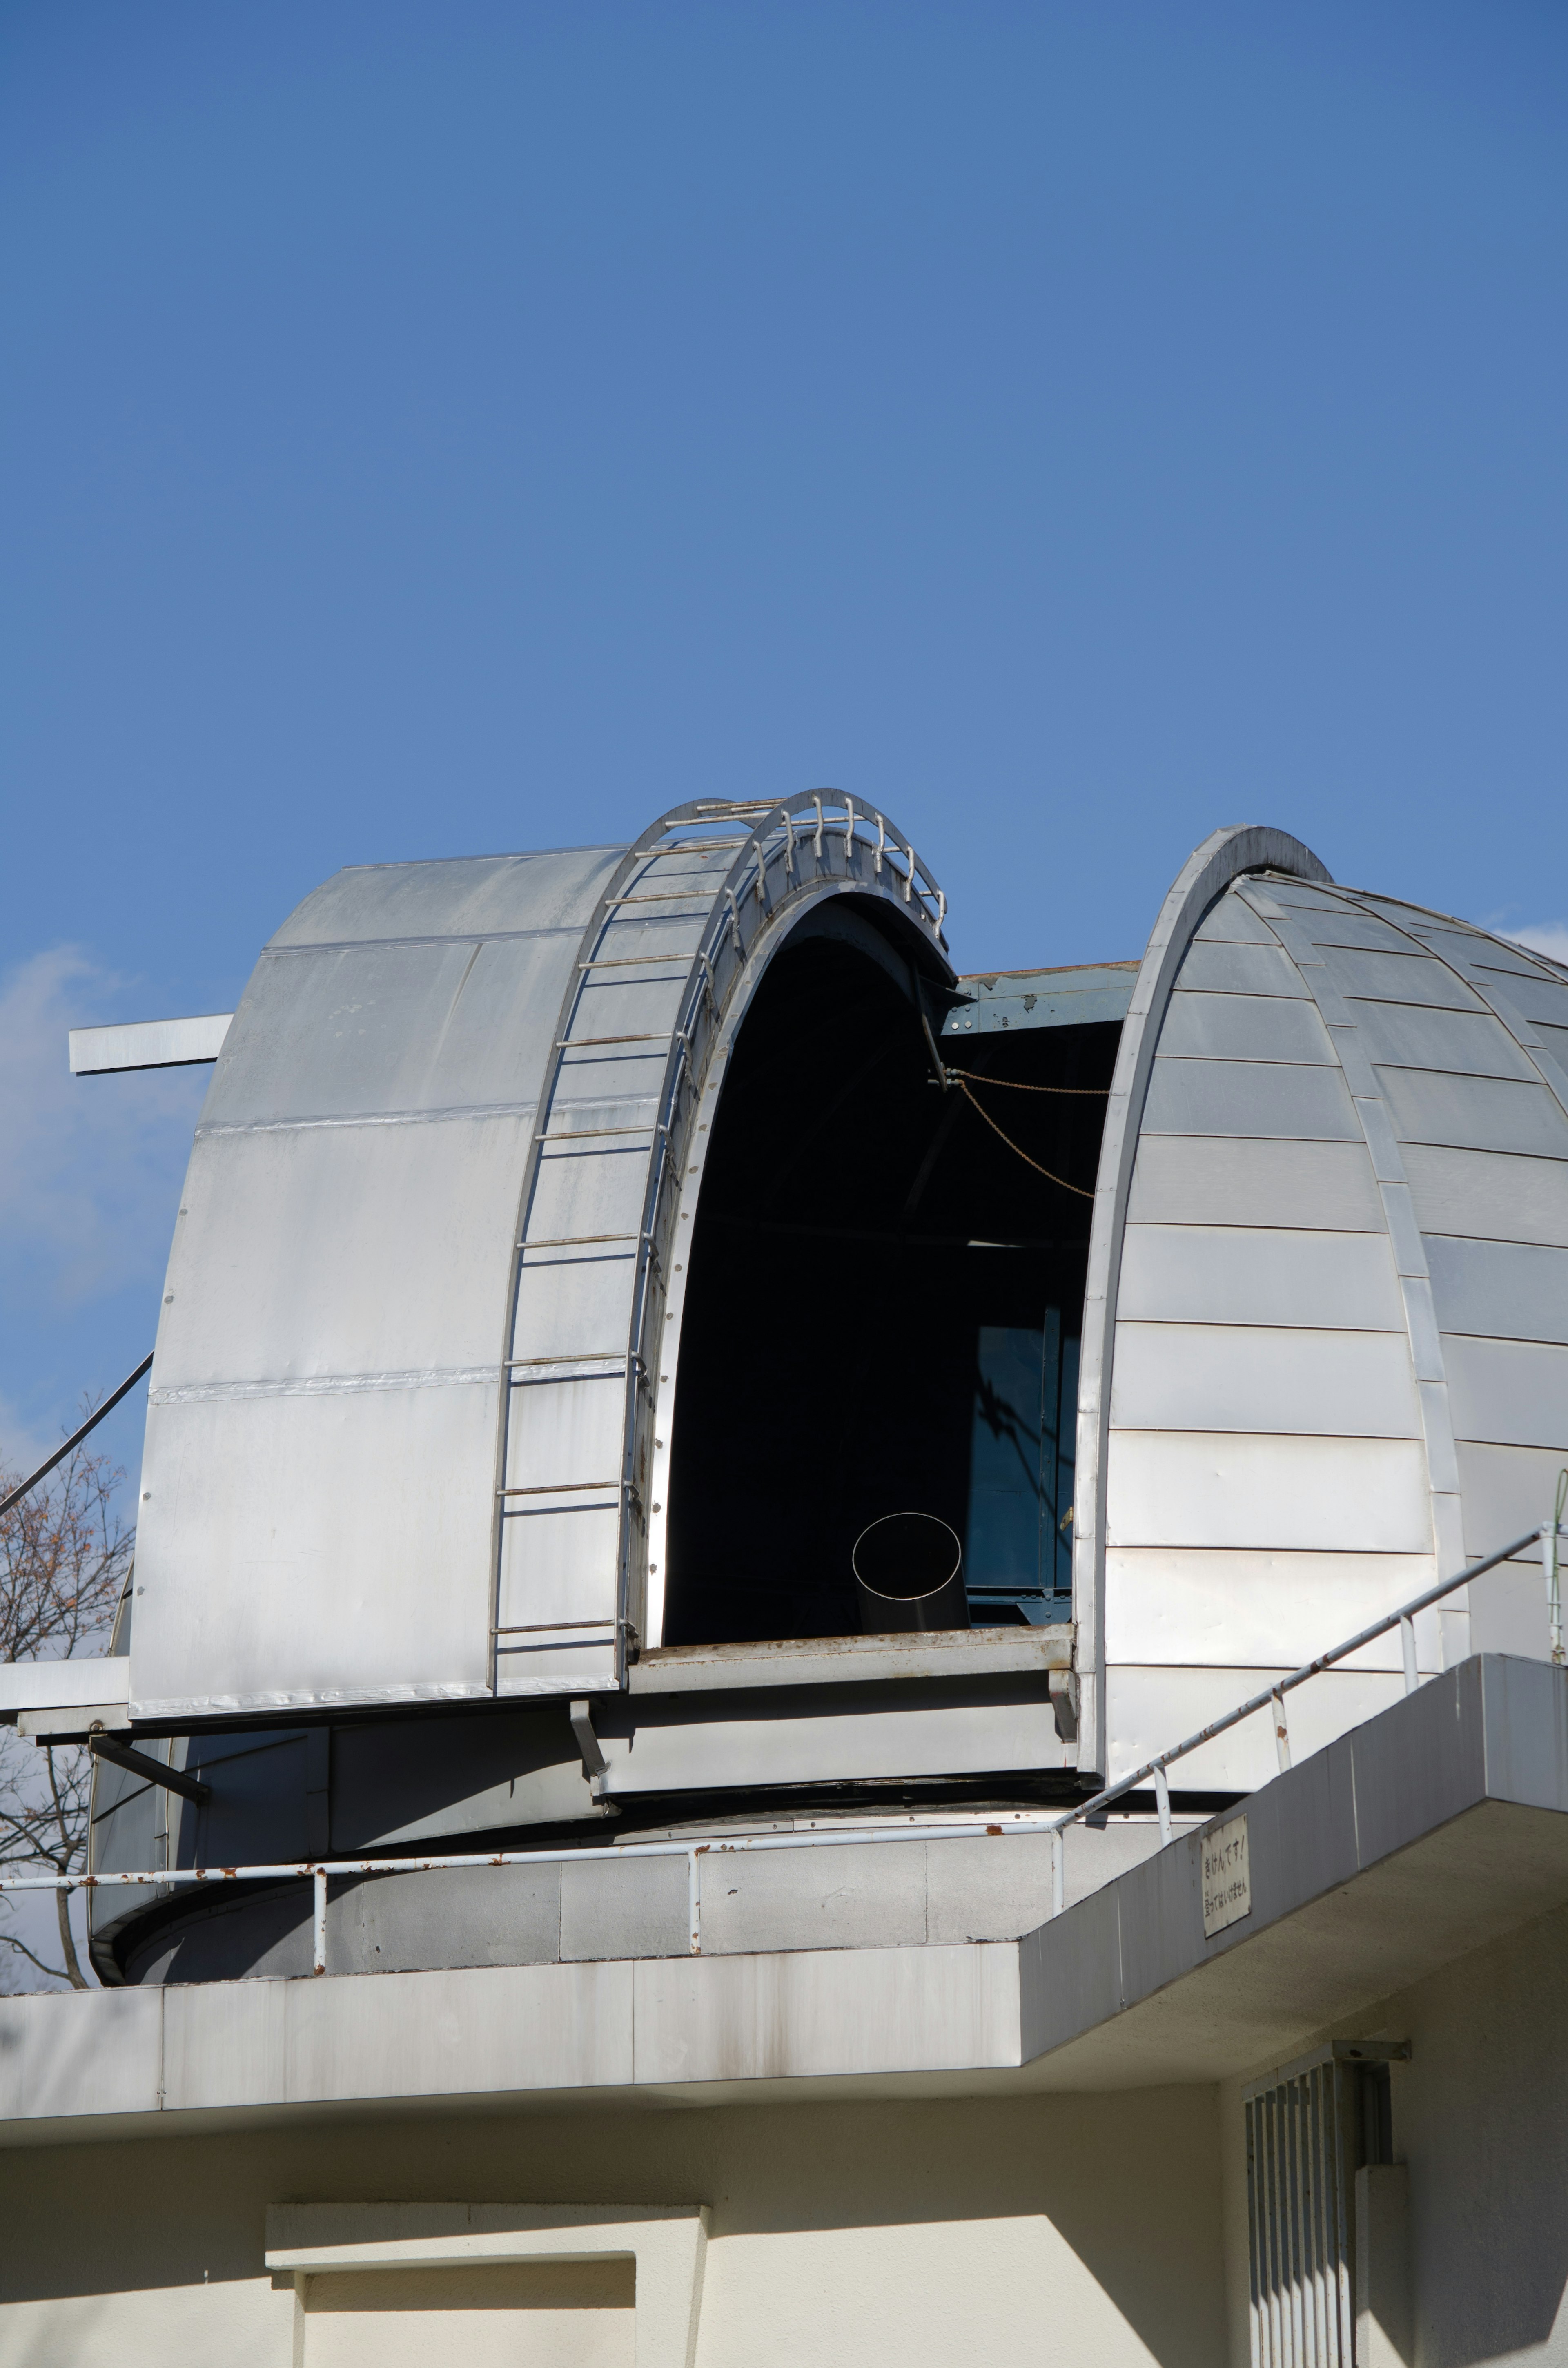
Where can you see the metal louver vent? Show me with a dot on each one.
(1309, 2129)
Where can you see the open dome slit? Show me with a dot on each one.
(884, 1307)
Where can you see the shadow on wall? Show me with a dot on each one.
(1480, 2114)
(1083, 2229)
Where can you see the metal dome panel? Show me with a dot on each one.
(1331, 1352)
(400, 1441)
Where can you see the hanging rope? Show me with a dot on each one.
(1019, 1086)
(964, 1086)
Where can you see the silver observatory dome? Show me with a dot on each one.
(580, 1251)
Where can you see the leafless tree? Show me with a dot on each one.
(64, 1560)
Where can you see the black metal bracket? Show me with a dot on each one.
(138, 1763)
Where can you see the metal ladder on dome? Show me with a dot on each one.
(632, 979)
(645, 977)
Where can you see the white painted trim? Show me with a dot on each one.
(148, 1045)
(668, 2242)
(63, 1685)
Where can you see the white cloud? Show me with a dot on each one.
(1544, 937)
(89, 1167)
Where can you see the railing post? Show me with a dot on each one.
(1058, 1870)
(1408, 1647)
(694, 1903)
(1163, 1804)
(318, 1950)
(1282, 1732)
(1551, 1536)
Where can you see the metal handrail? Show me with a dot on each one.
(988, 1824)
(1404, 1619)
(318, 1871)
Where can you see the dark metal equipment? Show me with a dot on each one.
(909, 1571)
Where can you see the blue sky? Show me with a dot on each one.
(435, 429)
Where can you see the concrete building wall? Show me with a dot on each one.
(1072, 2232)
(1481, 2120)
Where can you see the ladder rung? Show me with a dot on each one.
(552, 1627)
(651, 1036)
(585, 1133)
(632, 962)
(585, 1357)
(575, 1241)
(570, 1488)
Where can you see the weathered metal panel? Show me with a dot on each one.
(1508, 1490)
(1479, 1113)
(1531, 993)
(1237, 1098)
(472, 897)
(1343, 925)
(1233, 1274)
(1312, 895)
(391, 1031)
(636, 1908)
(1230, 922)
(1201, 1377)
(1003, 1001)
(1502, 1289)
(1490, 1194)
(1347, 1496)
(863, 1742)
(1417, 1036)
(1215, 1181)
(1230, 1026)
(1150, 1708)
(1513, 1393)
(1187, 1606)
(1218, 968)
(310, 1253)
(1524, 1720)
(823, 1898)
(316, 1545)
(1398, 978)
(1470, 945)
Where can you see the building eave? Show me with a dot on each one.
(1434, 1828)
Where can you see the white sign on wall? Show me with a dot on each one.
(1227, 1877)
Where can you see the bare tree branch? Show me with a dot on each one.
(65, 1560)
(11, 1940)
